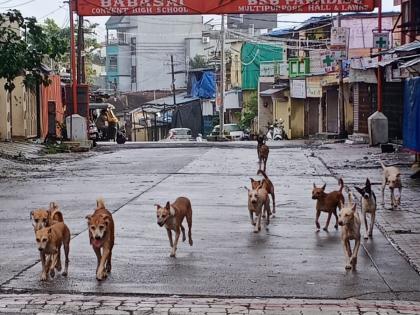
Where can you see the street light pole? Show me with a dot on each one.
(341, 109)
(222, 77)
(379, 58)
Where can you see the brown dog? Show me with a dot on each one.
(171, 216)
(42, 218)
(49, 241)
(350, 223)
(258, 203)
(267, 185)
(262, 151)
(101, 236)
(327, 202)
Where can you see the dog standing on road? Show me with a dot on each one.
(171, 216)
(327, 202)
(258, 203)
(101, 236)
(350, 230)
(368, 206)
(262, 151)
(267, 185)
(49, 241)
(42, 218)
(392, 177)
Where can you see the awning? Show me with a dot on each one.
(411, 63)
(271, 92)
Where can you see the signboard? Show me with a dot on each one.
(313, 87)
(298, 88)
(381, 40)
(268, 69)
(339, 42)
(322, 62)
(176, 7)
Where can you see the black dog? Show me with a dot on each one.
(368, 206)
(262, 151)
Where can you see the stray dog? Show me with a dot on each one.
(392, 178)
(267, 185)
(350, 230)
(258, 203)
(368, 206)
(171, 216)
(262, 151)
(49, 241)
(42, 218)
(101, 236)
(327, 202)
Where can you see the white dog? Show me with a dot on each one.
(392, 178)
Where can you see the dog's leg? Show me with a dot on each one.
(101, 273)
(392, 198)
(183, 233)
(372, 223)
(268, 212)
(318, 226)
(265, 164)
(366, 224)
(328, 221)
(259, 163)
(347, 252)
(108, 263)
(170, 237)
(66, 256)
(177, 234)
(98, 257)
(189, 222)
(251, 216)
(273, 196)
(383, 190)
(353, 260)
(46, 268)
(54, 260)
(43, 263)
(336, 219)
(258, 225)
(58, 264)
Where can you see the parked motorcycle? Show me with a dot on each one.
(96, 135)
(276, 131)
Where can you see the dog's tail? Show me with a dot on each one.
(351, 198)
(100, 203)
(57, 216)
(53, 206)
(261, 172)
(341, 183)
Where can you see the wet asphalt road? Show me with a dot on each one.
(227, 259)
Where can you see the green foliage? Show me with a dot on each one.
(249, 112)
(23, 48)
(198, 62)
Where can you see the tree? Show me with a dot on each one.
(90, 42)
(249, 112)
(198, 62)
(23, 48)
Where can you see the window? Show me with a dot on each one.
(133, 74)
(113, 63)
(122, 38)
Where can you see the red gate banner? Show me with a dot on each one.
(177, 7)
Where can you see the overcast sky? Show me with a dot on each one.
(58, 10)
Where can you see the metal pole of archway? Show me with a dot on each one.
(222, 77)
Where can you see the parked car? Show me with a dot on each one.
(180, 134)
(233, 130)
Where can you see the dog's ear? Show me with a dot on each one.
(399, 175)
(88, 217)
(367, 182)
(247, 188)
(323, 187)
(157, 205)
(359, 190)
(49, 231)
(252, 180)
(31, 214)
(168, 205)
(354, 208)
(314, 185)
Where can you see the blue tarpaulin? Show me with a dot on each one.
(412, 114)
(204, 87)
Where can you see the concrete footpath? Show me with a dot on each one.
(116, 305)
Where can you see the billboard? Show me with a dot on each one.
(179, 7)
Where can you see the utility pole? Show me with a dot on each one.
(341, 109)
(73, 68)
(222, 77)
(80, 49)
(379, 58)
(173, 79)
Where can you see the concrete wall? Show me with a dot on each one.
(4, 113)
(282, 110)
(236, 65)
